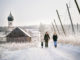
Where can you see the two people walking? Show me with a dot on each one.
(47, 37)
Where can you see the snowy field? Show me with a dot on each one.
(33, 51)
(70, 50)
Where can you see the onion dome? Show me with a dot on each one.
(10, 17)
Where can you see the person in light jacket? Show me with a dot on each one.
(55, 37)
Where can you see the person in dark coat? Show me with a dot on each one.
(46, 38)
(55, 37)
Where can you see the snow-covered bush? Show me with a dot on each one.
(70, 39)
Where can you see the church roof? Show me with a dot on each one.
(18, 32)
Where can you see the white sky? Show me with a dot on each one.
(32, 12)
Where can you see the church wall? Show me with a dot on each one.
(18, 39)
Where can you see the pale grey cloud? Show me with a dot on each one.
(31, 12)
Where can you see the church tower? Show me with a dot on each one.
(10, 22)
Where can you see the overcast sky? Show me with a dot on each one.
(32, 12)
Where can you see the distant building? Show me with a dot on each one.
(18, 35)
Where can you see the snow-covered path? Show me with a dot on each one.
(37, 53)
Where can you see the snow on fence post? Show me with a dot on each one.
(56, 27)
(77, 6)
(53, 28)
(77, 28)
(70, 19)
(61, 22)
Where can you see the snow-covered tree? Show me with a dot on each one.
(42, 28)
(42, 31)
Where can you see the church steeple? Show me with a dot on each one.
(10, 17)
(10, 22)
